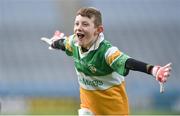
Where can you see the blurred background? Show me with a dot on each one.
(35, 80)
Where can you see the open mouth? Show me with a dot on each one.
(80, 35)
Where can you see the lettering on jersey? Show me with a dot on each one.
(93, 83)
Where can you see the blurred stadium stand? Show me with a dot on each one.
(145, 30)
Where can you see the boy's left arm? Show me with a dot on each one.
(161, 73)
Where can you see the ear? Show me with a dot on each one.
(100, 29)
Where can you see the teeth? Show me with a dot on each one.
(80, 35)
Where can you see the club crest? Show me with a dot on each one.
(92, 68)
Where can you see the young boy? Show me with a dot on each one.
(100, 66)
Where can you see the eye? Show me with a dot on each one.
(85, 24)
(76, 23)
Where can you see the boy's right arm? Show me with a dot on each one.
(58, 44)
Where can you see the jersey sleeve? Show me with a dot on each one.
(69, 45)
(116, 60)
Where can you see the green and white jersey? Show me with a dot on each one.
(101, 67)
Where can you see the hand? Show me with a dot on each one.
(162, 74)
(57, 35)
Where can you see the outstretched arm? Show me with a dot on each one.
(58, 44)
(161, 73)
(136, 65)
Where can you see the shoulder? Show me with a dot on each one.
(112, 53)
(70, 39)
(110, 49)
(69, 43)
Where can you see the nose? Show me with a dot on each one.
(79, 27)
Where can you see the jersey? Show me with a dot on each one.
(101, 72)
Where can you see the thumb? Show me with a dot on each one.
(168, 65)
(46, 40)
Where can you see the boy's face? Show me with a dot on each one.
(85, 30)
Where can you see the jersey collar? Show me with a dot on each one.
(97, 43)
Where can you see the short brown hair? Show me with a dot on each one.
(91, 12)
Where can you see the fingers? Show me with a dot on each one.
(164, 79)
(161, 87)
(164, 76)
(46, 40)
(58, 34)
(167, 69)
(167, 66)
(50, 48)
(164, 73)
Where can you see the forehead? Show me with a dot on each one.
(84, 19)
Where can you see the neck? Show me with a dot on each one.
(84, 49)
(91, 43)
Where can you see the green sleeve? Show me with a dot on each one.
(119, 65)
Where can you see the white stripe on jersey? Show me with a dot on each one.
(99, 82)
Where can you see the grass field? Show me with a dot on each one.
(53, 106)
(70, 106)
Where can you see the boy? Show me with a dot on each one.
(100, 66)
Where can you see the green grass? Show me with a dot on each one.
(154, 112)
(53, 106)
(70, 106)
